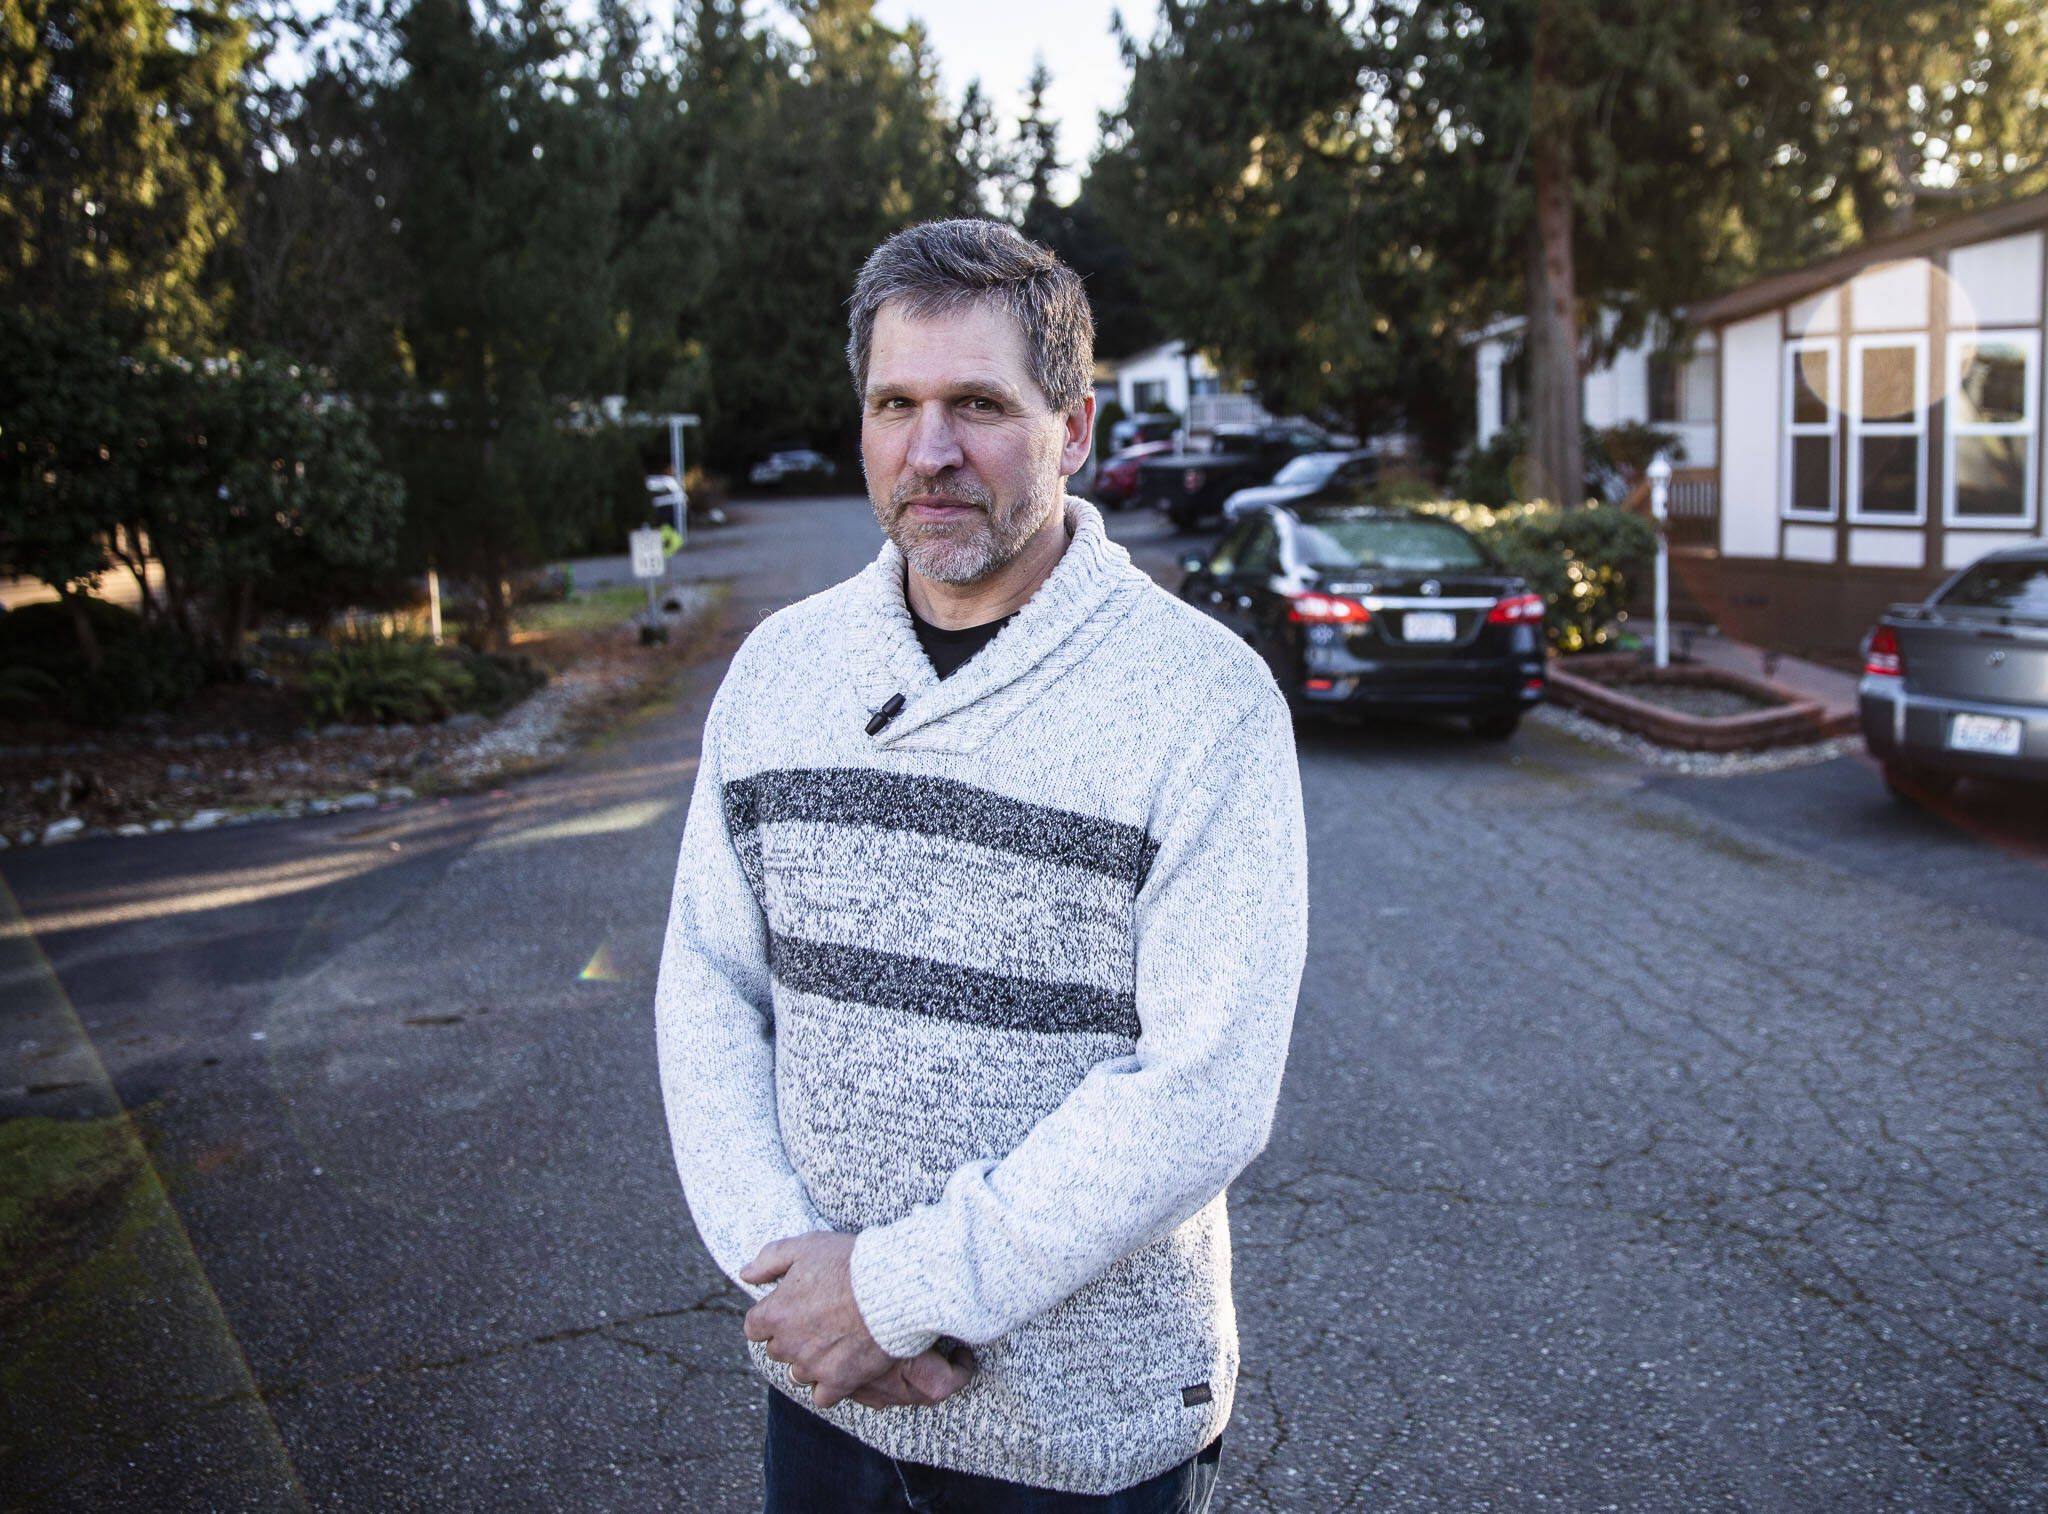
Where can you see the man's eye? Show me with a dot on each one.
(982, 405)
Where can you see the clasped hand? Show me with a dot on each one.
(811, 1323)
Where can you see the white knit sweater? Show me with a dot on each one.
(1004, 989)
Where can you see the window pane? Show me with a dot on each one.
(1991, 475)
(1992, 387)
(1887, 383)
(1891, 474)
(1337, 541)
(1813, 484)
(1663, 389)
(1224, 559)
(1262, 556)
(2014, 585)
(1697, 401)
(1810, 385)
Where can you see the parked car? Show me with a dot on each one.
(1957, 686)
(798, 466)
(1116, 479)
(1191, 486)
(1360, 610)
(1338, 477)
(1145, 426)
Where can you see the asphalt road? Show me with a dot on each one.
(1647, 1143)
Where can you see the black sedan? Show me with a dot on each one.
(1958, 685)
(1361, 610)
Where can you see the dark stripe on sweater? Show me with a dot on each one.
(920, 986)
(940, 807)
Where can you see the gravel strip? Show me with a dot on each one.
(1692, 764)
(128, 784)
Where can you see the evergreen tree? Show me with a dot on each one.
(805, 156)
(119, 133)
(501, 204)
(1038, 153)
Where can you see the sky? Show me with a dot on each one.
(997, 44)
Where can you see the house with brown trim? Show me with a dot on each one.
(1880, 425)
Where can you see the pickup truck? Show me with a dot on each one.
(1191, 486)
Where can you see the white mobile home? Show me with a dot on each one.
(1642, 383)
(1881, 424)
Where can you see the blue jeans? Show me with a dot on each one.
(814, 1467)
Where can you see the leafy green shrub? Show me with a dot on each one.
(1403, 491)
(385, 679)
(28, 691)
(1631, 445)
(1581, 561)
(393, 678)
(1497, 474)
(43, 670)
(497, 681)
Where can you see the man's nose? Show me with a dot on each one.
(933, 446)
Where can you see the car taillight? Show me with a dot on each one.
(1515, 609)
(1192, 480)
(1326, 609)
(1884, 657)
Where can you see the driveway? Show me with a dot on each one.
(1646, 1143)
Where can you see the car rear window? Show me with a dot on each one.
(2014, 587)
(1329, 542)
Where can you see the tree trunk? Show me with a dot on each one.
(81, 623)
(133, 552)
(497, 608)
(235, 622)
(1556, 458)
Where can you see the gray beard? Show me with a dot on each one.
(967, 551)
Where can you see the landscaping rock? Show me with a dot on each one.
(204, 820)
(130, 829)
(62, 830)
(356, 802)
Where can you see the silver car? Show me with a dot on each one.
(1958, 686)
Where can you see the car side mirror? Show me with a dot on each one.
(1193, 562)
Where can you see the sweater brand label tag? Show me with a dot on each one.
(1199, 1394)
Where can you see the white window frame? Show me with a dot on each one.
(1859, 428)
(2028, 340)
(1829, 428)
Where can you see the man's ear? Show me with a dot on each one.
(1080, 434)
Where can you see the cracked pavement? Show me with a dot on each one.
(1647, 1143)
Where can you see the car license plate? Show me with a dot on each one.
(1996, 734)
(1429, 625)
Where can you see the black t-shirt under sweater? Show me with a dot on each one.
(950, 650)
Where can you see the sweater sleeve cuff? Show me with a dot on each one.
(892, 1293)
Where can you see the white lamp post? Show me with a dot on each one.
(1660, 495)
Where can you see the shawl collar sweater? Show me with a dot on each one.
(1004, 990)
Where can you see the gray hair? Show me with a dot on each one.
(941, 266)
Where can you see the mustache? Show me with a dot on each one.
(957, 490)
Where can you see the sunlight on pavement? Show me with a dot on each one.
(175, 896)
(608, 822)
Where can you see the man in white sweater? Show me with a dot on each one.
(984, 947)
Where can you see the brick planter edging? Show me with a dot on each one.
(1577, 684)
